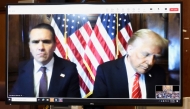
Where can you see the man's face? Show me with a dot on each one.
(143, 56)
(41, 45)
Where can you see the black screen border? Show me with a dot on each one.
(94, 101)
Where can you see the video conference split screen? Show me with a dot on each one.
(94, 54)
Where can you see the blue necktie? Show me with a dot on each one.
(43, 83)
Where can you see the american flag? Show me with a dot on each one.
(124, 34)
(111, 34)
(89, 47)
(72, 35)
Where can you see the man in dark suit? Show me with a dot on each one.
(60, 76)
(115, 79)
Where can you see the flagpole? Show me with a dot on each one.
(65, 38)
(89, 69)
(117, 51)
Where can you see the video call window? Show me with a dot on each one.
(89, 39)
(168, 91)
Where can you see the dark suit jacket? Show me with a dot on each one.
(111, 80)
(67, 86)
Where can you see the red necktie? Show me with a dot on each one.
(136, 90)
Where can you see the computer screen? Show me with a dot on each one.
(94, 54)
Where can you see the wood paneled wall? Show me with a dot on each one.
(186, 48)
(2, 47)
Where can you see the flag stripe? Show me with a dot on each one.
(91, 59)
(76, 51)
(105, 40)
(83, 85)
(105, 53)
(60, 47)
(81, 40)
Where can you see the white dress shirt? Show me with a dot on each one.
(37, 74)
(131, 76)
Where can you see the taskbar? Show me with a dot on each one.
(94, 101)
